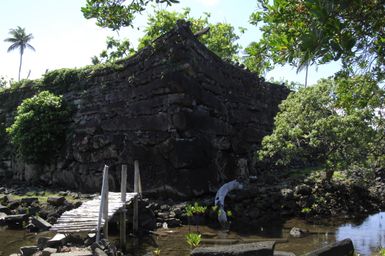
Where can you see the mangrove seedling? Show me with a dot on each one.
(194, 211)
(193, 239)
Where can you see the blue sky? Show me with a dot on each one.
(63, 38)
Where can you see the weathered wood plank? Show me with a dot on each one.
(85, 218)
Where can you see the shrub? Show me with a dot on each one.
(38, 131)
(323, 125)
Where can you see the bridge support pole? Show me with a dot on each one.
(103, 208)
(123, 190)
(137, 189)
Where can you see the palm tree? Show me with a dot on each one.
(20, 40)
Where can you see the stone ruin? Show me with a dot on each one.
(192, 120)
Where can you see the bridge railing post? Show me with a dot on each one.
(103, 209)
(137, 189)
(123, 190)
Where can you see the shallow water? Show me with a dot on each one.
(367, 236)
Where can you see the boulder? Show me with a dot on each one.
(251, 249)
(42, 242)
(99, 252)
(75, 253)
(56, 201)
(4, 209)
(340, 248)
(15, 221)
(280, 253)
(41, 224)
(28, 250)
(48, 251)
(297, 232)
(29, 200)
(57, 240)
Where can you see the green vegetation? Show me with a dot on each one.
(38, 132)
(41, 196)
(381, 252)
(156, 252)
(19, 40)
(221, 39)
(115, 14)
(116, 50)
(61, 79)
(194, 211)
(322, 125)
(308, 32)
(193, 239)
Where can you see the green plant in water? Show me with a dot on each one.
(194, 211)
(381, 252)
(156, 252)
(193, 240)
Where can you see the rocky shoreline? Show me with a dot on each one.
(274, 201)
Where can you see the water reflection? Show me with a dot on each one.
(367, 236)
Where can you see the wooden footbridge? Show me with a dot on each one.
(93, 215)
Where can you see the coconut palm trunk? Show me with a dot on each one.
(21, 63)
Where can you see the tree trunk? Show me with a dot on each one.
(329, 175)
(307, 71)
(21, 62)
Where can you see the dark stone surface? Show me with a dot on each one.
(56, 201)
(251, 249)
(28, 250)
(185, 114)
(341, 248)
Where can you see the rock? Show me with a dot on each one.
(341, 248)
(173, 223)
(41, 224)
(279, 253)
(42, 242)
(4, 199)
(15, 221)
(57, 240)
(251, 249)
(99, 252)
(4, 209)
(12, 205)
(29, 200)
(48, 251)
(28, 250)
(91, 238)
(56, 201)
(74, 253)
(297, 232)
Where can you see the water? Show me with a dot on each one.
(367, 236)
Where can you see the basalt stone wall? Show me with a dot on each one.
(192, 121)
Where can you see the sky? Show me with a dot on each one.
(63, 38)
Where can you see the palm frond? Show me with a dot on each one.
(31, 47)
(13, 47)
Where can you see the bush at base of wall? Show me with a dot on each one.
(38, 131)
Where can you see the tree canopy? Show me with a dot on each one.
(325, 124)
(221, 38)
(115, 14)
(319, 31)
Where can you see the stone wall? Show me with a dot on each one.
(192, 120)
